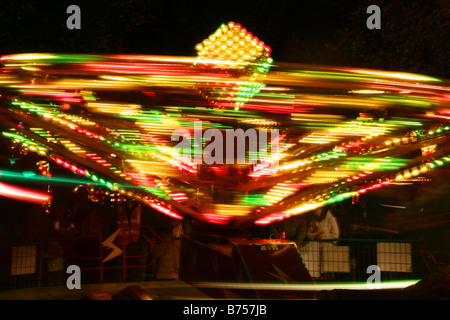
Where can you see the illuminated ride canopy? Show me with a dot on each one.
(110, 119)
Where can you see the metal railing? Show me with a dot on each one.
(349, 259)
(24, 265)
(138, 255)
(20, 265)
(343, 260)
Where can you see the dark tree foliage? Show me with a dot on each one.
(414, 36)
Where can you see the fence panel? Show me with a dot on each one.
(19, 266)
(348, 259)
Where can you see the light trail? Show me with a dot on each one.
(307, 286)
(110, 119)
(23, 194)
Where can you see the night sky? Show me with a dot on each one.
(414, 35)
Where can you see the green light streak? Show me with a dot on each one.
(31, 176)
(255, 200)
(374, 164)
(341, 197)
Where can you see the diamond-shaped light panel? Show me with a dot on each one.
(242, 57)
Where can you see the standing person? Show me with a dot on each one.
(169, 263)
(294, 229)
(323, 225)
(54, 254)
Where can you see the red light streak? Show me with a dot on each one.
(272, 218)
(437, 116)
(23, 194)
(216, 219)
(166, 211)
(178, 196)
